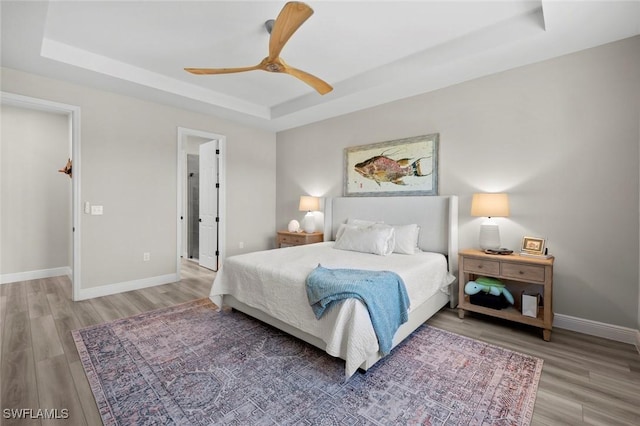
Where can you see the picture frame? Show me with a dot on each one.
(533, 245)
(406, 166)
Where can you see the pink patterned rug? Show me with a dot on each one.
(192, 365)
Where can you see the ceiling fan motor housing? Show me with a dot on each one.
(269, 25)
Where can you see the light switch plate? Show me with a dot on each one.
(96, 210)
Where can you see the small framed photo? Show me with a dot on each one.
(532, 245)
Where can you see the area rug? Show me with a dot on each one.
(192, 365)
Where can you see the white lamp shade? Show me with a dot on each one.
(490, 205)
(309, 204)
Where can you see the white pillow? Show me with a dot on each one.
(406, 237)
(355, 222)
(377, 239)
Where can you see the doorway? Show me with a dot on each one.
(201, 200)
(73, 121)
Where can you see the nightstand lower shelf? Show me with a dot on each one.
(510, 313)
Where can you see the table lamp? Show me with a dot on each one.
(490, 205)
(309, 204)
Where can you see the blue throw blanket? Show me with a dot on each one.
(382, 292)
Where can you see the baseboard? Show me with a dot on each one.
(599, 329)
(109, 289)
(35, 275)
(638, 341)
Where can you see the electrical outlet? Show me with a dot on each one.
(241, 244)
(146, 257)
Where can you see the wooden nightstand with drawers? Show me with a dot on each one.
(518, 273)
(298, 238)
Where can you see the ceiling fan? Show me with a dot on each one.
(291, 17)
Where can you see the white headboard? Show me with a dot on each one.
(437, 217)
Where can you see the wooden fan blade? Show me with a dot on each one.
(292, 15)
(321, 86)
(202, 71)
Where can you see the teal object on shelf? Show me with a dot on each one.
(488, 285)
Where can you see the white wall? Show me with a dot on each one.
(561, 137)
(36, 199)
(128, 165)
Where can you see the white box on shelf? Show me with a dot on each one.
(530, 305)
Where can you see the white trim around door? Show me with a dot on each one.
(73, 112)
(183, 133)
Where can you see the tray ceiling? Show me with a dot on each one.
(371, 52)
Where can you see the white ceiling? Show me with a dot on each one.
(371, 52)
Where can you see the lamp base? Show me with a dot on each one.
(309, 223)
(489, 235)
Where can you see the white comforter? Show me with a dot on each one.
(273, 281)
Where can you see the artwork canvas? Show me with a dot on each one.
(399, 167)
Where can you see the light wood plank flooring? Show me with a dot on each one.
(585, 380)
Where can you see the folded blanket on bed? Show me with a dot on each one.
(383, 293)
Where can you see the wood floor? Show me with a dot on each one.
(585, 380)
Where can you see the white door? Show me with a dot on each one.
(208, 246)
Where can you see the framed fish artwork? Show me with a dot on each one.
(399, 167)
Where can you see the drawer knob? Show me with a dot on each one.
(479, 266)
(521, 272)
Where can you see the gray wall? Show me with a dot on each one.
(128, 165)
(561, 137)
(35, 209)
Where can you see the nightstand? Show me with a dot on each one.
(298, 238)
(518, 273)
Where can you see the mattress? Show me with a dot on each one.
(273, 281)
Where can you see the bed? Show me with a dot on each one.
(270, 285)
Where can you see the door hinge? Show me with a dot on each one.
(217, 219)
(217, 185)
(217, 151)
(217, 253)
(181, 217)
